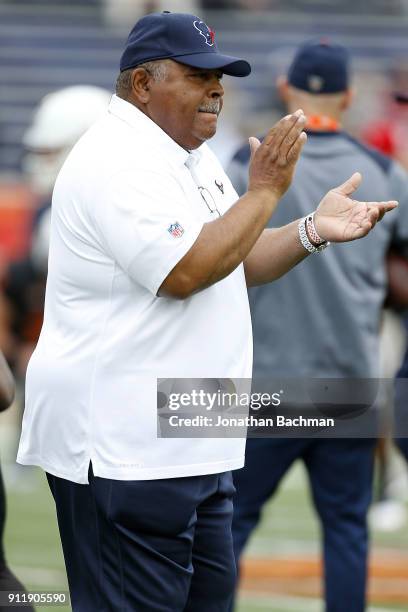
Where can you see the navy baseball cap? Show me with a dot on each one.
(320, 67)
(182, 37)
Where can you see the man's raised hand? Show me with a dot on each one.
(339, 218)
(273, 162)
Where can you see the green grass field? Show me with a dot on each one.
(289, 528)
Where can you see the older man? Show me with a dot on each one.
(146, 280)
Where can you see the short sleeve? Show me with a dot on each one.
(146, 224)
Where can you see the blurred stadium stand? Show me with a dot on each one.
(47, 45)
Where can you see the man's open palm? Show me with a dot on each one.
(338, 218)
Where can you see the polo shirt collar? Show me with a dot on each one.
(133, 116)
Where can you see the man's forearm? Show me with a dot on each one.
(222, 245)
(230, 239)
(276, 251)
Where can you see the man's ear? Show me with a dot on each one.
(140, 84)
(348, 98)
(282, 87)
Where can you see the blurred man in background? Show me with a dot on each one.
(322, 321)
(59, 121)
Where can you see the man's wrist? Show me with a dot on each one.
(312, 239)
(262, 188)
(309, 237)
(266, 195)
(316, 224)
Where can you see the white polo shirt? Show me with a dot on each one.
(126, 208)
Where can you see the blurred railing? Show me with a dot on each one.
(44, 46)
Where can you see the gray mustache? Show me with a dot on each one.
(214, 107)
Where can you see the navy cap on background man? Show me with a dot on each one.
(320, 67)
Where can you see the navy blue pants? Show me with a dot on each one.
(340, 473)
(147, 546)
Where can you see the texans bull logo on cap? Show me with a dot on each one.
(205, 32)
